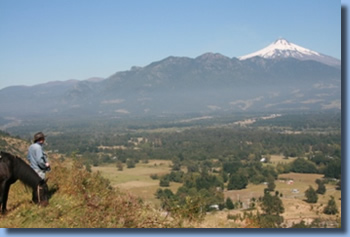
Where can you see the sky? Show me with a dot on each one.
(58, 40)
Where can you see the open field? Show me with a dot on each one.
(296, 209)
(141, 173)
(279, 159)
(137, 180)
(292, 186)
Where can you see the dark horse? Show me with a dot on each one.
(13, 168)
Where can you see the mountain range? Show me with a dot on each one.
(281, 77)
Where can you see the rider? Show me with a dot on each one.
(36, 156)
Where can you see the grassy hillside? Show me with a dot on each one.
(79, 199)
(13, 145)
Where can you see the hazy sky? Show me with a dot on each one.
(43, 40)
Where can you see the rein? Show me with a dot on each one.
(38, 190)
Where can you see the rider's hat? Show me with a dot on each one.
(39, 136)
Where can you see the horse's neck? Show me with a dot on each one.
(26, 174)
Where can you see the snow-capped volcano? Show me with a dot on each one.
(282, 48)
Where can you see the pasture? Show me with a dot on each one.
(137, 181)
(291, 186)
(279, 159)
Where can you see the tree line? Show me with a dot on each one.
(319, 153)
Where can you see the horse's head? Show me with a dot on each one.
(41, 196)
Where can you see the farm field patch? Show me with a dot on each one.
(291, 186)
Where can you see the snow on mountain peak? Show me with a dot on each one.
(282, 48)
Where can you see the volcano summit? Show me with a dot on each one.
(282, 48)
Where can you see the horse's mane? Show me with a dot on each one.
(22, 171)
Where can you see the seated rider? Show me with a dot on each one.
(36, 156)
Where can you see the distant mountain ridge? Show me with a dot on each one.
(273, 79)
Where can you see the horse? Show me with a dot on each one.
(13, 168)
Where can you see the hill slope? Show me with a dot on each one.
(13, 145)
(79, 199)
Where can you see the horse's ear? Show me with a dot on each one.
(46, 180)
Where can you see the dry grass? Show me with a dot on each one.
(141, 172)
(137, 181)
(276, 159)
(80, 200)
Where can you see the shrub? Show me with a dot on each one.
(154, 176)
(164, 182)
(119, 166)
(130, 164)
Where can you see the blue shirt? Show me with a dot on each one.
(37, 157)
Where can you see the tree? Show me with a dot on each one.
(321, 187)
(271, 183)
(331, 208)
(164, 194)
(176, 164)
(229, 203)
(231, 167)
(333, 169)
(207, 181)
(164, 182)
(192, 167)
(301, 165)
(311, 195)
(272, 207)
(237, 181)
